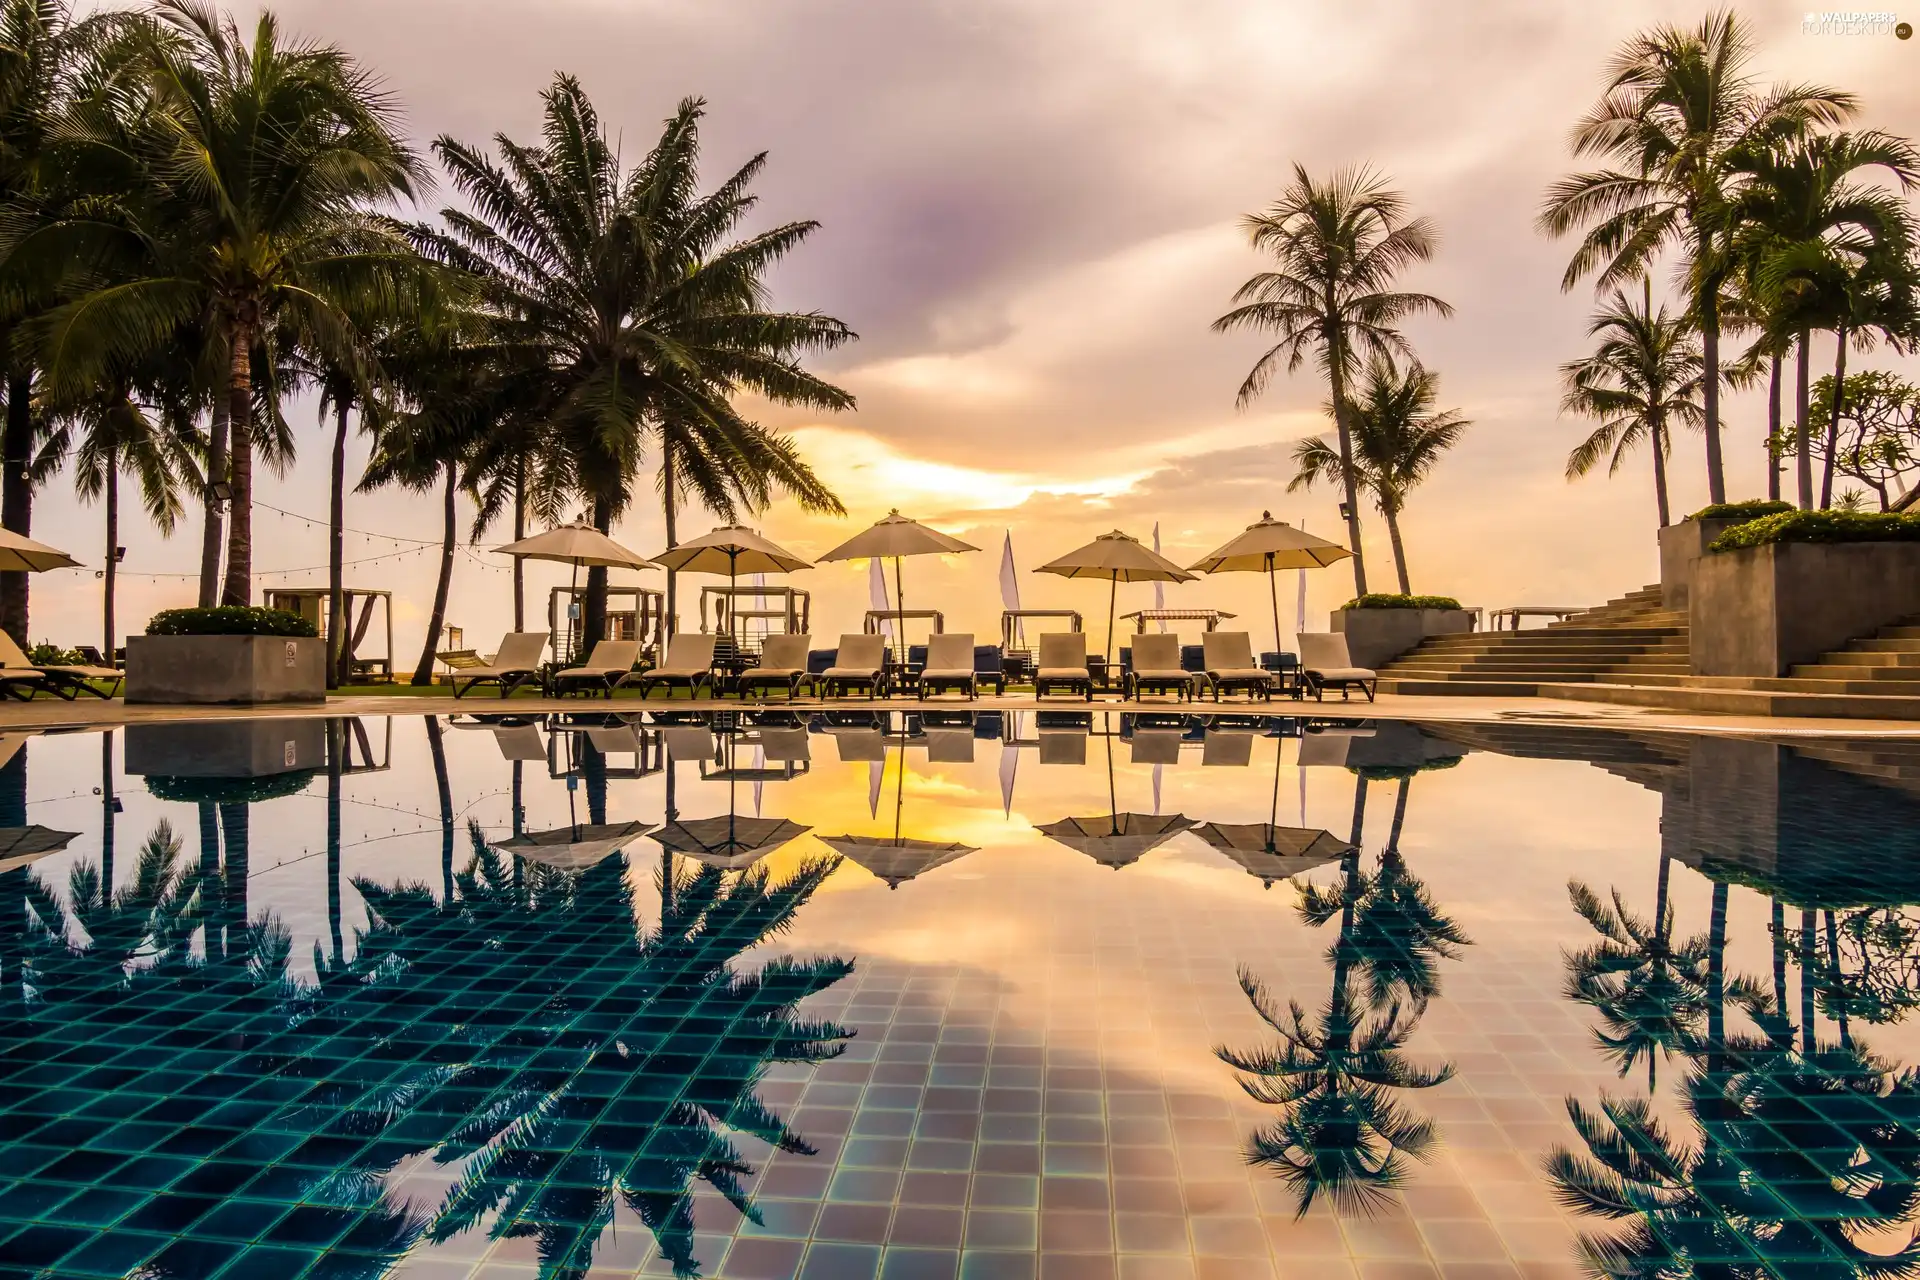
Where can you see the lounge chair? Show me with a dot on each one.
(20, 678)
(689, 661)
(605, 669)
(1156, 666)
(950, 665)
(860, 660)
(1063, 661)
(517, 662)
(1326, 664)
(1232, 747)
(783, 664)
(1230, 665)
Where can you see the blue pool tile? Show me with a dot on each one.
(841, 1262)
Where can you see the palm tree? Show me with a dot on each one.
(629, 306)
(117, 434)
(45, 58)
(1643, 378)
(1395, 441)
(1339, 247)
(1679, 113)
(1806, 226)
(255, 171)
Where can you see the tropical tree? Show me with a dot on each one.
(1644, 378)
(1813, 237)
(1395, 441)
(1648, 987)
(1339, 247)
(244, 196)
(630, 307)
(1678, 117)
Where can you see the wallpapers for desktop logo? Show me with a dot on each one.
(1855, 22)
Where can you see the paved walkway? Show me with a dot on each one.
(45, 713)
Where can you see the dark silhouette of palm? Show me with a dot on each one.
(1342, 1133)
(1649, 989)
(1800, 1155)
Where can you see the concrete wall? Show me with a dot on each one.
(1681, 546)
(225, 670)
(1758, 611)
(1378, 636)
(226, 748)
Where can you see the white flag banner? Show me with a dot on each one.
(759, 783)
(876, 773)
(1300, 612)
(877, 593)
(1009, 578)
(1156, 787)
(1159, 591)
(1009, 763)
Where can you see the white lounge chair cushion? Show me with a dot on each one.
(851, 673)
(774, 673)
(1340, 673)
(1240, 673)
(1064, 673)
(950, 673)
(86, 673)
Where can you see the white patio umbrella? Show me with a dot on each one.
(1268, 545)
(1116, 557)
(21, 846)
(894, 538)
(576, 544)
(21, 554)
(896, 858)
(577, 847)
(732, 550)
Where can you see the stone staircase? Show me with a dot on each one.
(1876, 676)
(1651, 760)
(1624, 641)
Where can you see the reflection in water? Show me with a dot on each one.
(1649, 990)
(526, 1032)
(1334, 1075)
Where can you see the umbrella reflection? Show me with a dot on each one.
(897, 859)
(574, 848)
(1117, 839)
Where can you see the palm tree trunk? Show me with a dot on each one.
(1659, 441)
(593, 618)
(239, 583)
(1778, 929)
(1399, 815)
(1809, 962)
(337, 552)
(519, 532)
(213, 531)
(438, 750)
(108, 573)
(106, 814)
(1833, 960)
(423, 669)
(1336, 378)
(667, 505)
(1773, 429)
(1802, 446)
(16, 500)
(1833, 423)
(1709, 308)
(1399, 550)
(1717, 978)
(236, 836)
(593, 774)
(336, 743)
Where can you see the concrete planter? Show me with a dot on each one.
(1681, 547)
(1760, 610)
(1377, 636)
(225, 670)
(227, 749)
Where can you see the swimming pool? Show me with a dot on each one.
(995, 995)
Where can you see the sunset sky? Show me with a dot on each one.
(1030, 215)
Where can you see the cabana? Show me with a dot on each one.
(790, 607)
(1017, 657)
(642, 621)
(311, 603)
(1212, 618)
(900, 617)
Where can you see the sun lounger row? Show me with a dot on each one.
(860, 665)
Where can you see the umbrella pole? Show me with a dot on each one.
(900, 786)
(1273, 813)
(1113, 595)
(1113, 801)
(900, 629)
(1273, 590)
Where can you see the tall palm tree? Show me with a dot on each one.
(1648, 987)
(1339, 247)
(1395, 441)
(256, 175)
(1679, 112)
(115, 434)
(1806, 228)
(1644, 377)
(630, 304)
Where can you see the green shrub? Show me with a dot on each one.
(229, 790)
(229, 620)
(1393, 600)
(1751, 509)
(1821, 526)
(52, 655)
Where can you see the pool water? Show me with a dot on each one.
(1049, 995)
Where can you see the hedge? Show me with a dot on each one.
(1821, 526)
(229, 620)
(1751, 509)
(1393, 600)
(229, 790)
